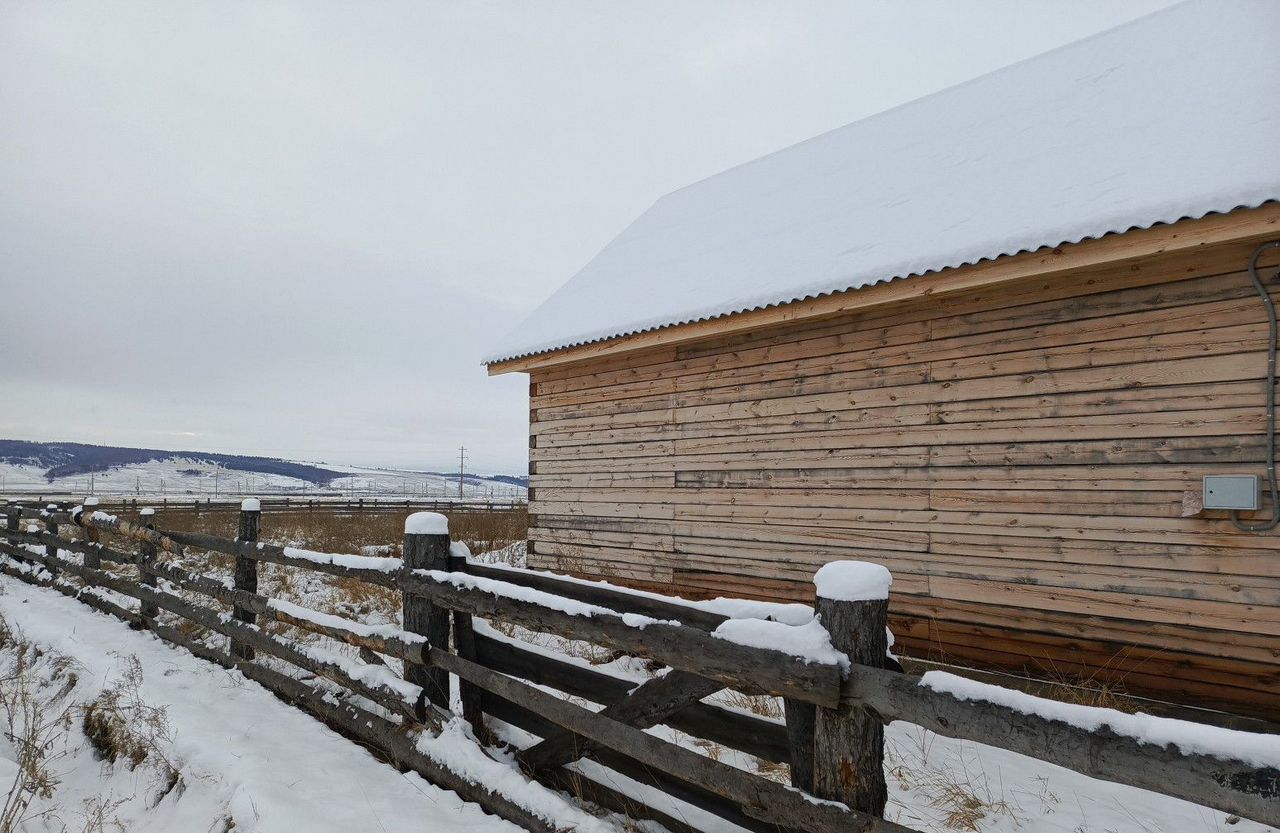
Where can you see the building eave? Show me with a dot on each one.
(1245, 224)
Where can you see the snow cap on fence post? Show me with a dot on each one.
(426, 547)
(251, 504)
(852, 581)
(848, 743)
(426, 523)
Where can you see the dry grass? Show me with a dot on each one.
(774, 771)
(360, 600)
(325, 529)
(591, 653)
(709, 748)
(37, 715)
(488, 531)
(770, 707)
(33, 721)
(120, 726)
(960, 804)
(98, 815)
(957, 789)
(1101, 687)
(334, 529)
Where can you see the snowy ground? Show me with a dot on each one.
(247, 759)
(248, 762)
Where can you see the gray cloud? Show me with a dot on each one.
(295, 228)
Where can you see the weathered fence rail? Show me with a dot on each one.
(832, 738)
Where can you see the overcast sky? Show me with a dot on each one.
(294, 229)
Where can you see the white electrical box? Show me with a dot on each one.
(1231, 491)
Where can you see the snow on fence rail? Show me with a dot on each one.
(838, 694)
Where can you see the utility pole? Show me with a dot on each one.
(462, 464)
(215, 482)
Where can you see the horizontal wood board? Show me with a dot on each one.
(1018, 456)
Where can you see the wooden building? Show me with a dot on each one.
(992, 339)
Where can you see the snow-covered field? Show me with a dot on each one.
(183, 477)
(248, 763)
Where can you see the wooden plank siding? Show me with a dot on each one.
(1016, 455)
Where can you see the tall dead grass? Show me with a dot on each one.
(38, 715)
(122, 727)
(959, 793)
(33, 720)
(335, 529)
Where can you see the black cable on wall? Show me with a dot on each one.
(1271, 398)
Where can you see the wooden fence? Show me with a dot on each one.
(832, 738)
(290, 504)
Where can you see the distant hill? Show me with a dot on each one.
(515, 480)
(69, 459)
(509, 479)
(69, 468)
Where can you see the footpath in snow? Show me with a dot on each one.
(248, 761)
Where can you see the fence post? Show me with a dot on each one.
(13, 521)
(799, 717)
(146, 556)
(246, 571)
(848, 742)
(51, 527)
(464, 640)
(426, 547)
(91, 535)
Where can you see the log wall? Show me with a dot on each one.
(1018, 456)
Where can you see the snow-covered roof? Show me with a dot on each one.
(1174, 115)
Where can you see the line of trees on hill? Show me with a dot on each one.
(68, 459)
